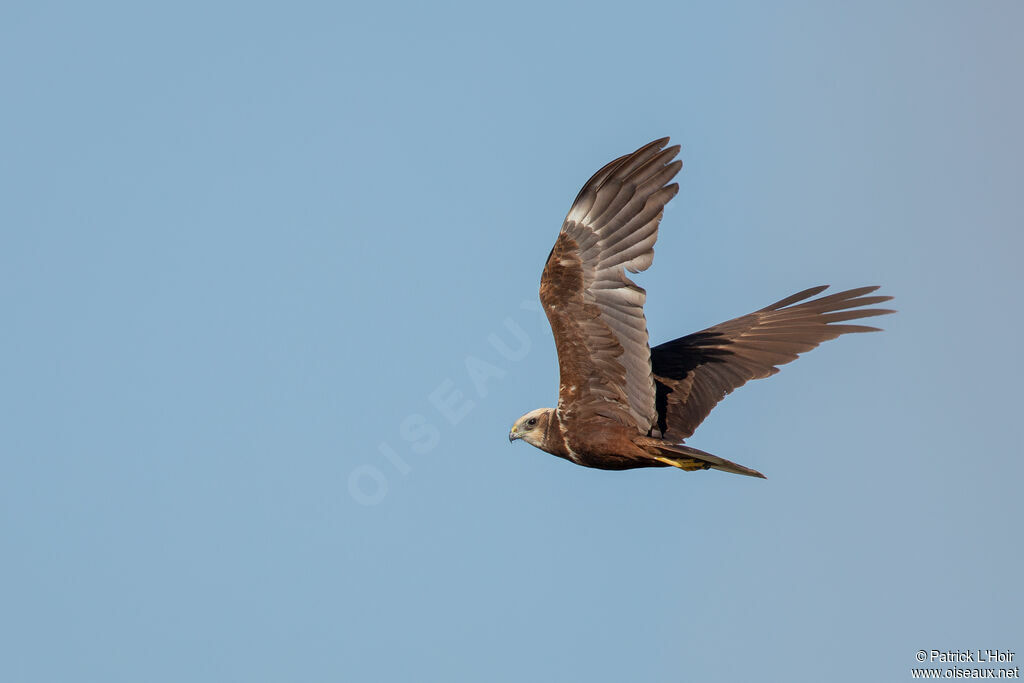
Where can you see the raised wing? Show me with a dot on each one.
(596, 312)
(695, 372)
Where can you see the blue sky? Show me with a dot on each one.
(248, 249)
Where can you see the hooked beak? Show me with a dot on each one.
(513, 435)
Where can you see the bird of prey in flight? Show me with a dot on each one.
(622, 404)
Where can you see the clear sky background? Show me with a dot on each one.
(244, 244)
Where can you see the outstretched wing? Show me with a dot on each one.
(695, 372)
(596, 312)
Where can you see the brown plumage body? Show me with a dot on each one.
(623, 405)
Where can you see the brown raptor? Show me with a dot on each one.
(622, 404)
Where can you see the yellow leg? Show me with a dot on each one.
(688, 464)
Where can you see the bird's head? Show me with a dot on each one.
(532, 426)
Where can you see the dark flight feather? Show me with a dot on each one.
(695, 372)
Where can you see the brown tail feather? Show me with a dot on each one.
(694, 459)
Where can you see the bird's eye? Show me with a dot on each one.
(531, 422)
